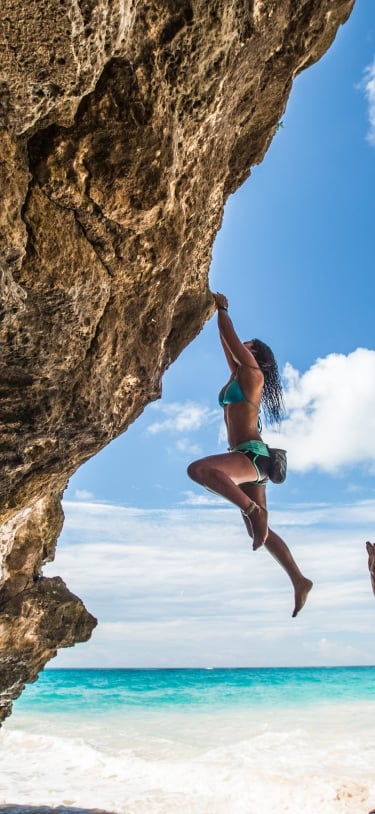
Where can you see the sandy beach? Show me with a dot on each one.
(159, 742)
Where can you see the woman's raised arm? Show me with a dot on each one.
(235, 351)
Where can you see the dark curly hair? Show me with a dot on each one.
(272, 396)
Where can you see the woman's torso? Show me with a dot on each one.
(240, 398)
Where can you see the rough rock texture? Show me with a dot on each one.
(124, 127)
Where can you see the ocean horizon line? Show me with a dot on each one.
(214, 667)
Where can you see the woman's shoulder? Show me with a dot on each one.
(245, 369)
(251, 380)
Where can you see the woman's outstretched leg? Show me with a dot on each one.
(279, 550)
(222, 474)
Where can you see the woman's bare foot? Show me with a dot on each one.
(259, 521)
(301, 591)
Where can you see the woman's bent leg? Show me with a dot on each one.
(279, 550)
(222, 474)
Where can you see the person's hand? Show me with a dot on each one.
(220, 300)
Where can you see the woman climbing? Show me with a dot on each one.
(241, 474)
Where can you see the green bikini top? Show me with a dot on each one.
(232, 394)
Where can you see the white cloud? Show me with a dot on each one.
(369, 87)
(328, 652)
(360, 514)
(184, 445)
(330, 420)
(182, 417)
(223, 438)
(193, 499)
(182, 587)
(83, 494)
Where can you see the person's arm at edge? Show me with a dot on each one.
(221, 303)
(235, 351)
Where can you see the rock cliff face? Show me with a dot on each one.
(124, 127)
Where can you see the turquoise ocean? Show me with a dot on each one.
(205, 741)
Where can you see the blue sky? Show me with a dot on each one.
(167, 568)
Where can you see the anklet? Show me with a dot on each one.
(247, 512)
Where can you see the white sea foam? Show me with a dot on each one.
(317, 760)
